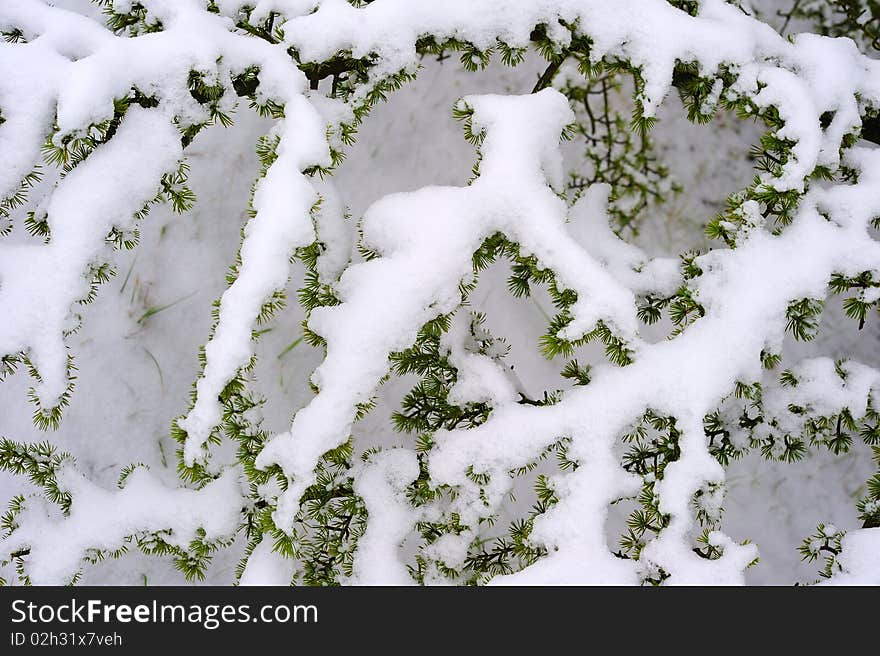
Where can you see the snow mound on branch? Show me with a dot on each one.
(427, 239)
(103, 520)
(71, 71)
(858, 559)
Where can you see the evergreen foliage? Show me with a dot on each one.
(612, 130)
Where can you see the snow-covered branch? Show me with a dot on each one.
(113, 108)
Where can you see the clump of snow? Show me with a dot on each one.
(267, 567)
(820, 391)
(103, 520)
(283, 202)
(382, 484)
(64, 80)
(804, 79)
(858, 559)
(40, 283)
(424, 260)
(480, 377)
(685, 377)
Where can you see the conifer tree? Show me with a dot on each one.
(669, 368)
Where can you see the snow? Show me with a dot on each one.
(382, 485)
(669, 377)
(479, 377)
(104, 67)
(41, 282)
(816, 76)
(102, 519)
(858, 559)
(390, 298)
(821, 392)
(282, 201)
(627, 263)
(70, 72)
(266, 567)
(803, 79)
(53, 35)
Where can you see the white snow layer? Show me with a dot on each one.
(104, 520)
(858, 559)
(267, 567)
(70, 71)
(382, 483)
